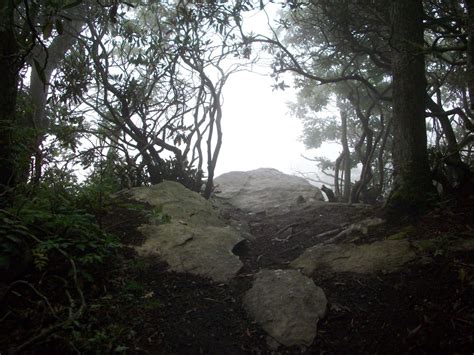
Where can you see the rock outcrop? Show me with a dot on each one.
(287, 305)
(264, 190)
(387, 255)
(192, 239)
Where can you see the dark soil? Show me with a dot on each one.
(142, 308)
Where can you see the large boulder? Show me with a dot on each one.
(386, 255)
(173, 199)
(264, 189)
(200, 250)
(287, 305)
(191, 238)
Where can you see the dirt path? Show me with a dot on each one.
(135, 305)
(428, 308)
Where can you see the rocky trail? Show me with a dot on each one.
(263, 270)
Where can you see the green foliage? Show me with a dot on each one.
(56, 248)
(182, 172)
(12, 244)
(317, 131)
(20, 137)
(58, 189)
(436, 246)
(96, 192)
(40, 258)
(107, 178)
(157, 216)
(325, 164)
(134, 287)
(72, 231)
(53, 224)
(91, 335)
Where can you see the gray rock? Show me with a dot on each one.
(195, 240)
(387, 255)
(287, 305)
(201, 250)
(265, 189)
(243, 228)
(178, 202)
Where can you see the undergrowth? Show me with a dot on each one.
(54, 262)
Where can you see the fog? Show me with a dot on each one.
(258, 130)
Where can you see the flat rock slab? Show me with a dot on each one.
(194, 240)
(201, 250)
(265, 189)
(287, 305)
(387, 255)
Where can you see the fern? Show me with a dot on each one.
(40, 258)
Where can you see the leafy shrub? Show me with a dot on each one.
(51, 222)
(182, 172)
(158, 216)
(14, 252)
(52, 253)
(72, 231)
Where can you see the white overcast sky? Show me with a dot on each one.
(258, 130)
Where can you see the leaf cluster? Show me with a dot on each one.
(53, 220)
(182, 172)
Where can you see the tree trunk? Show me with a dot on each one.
(337, 167)
(412, 179)
(10, 64)
(347, 157)
(49, 60)
(381, 160)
